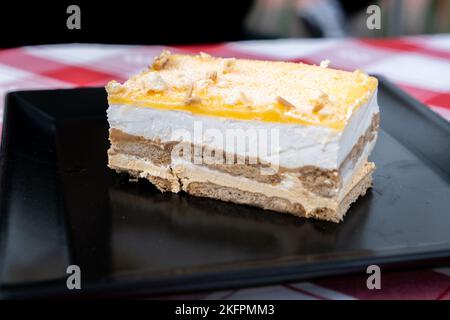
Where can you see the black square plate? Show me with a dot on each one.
(60, 205)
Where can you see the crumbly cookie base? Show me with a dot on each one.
(202, 182)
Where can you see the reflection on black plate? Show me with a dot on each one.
(60, 205)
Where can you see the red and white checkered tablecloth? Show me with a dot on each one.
(420, 65)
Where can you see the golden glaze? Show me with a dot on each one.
(248, 90)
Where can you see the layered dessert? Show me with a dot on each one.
(287, 137)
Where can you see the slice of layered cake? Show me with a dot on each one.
(287, 137)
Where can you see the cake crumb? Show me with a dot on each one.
(244, 97)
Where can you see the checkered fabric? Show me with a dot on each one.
(419, 65)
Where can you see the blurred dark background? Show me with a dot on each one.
(179, 22)
(127, 22)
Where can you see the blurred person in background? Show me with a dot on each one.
(340, 18)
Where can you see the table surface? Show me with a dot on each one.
(420, 65)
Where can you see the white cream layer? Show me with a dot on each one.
(297, 145)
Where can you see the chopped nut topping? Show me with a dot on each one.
(160, 61)
(113, 87)
(193, 100)
(317, 107)
(244, 98)
(212, 75)
(228, 64)
(205, 56)
(326, 111)
(189, 91)
(285, 103)
(320, 102)
(153, 82)
(189, 99)
(359, 76)
(325, 63)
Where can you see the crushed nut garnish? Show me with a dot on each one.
(212, 75)
(188, 98)
(189, 91)
(285, 103)
(325, 63)
(114, 87)
(228, 64)
(160, 61)
(205, 55)
(153, 82)
(320, 102)
(359, 76)
(246, 100)
(192, 100)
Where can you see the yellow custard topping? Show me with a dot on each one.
(283, 92)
